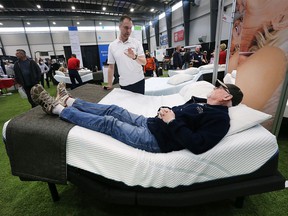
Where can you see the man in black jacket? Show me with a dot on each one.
(198, 125)
(27, 73)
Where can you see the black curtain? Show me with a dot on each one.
(90, 56)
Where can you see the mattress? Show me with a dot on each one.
(160, 86)
(237, 154)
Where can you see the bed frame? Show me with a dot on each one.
(265, 179)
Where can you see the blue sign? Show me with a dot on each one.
(103, 54)
(163, 40)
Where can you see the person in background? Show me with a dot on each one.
(186, 59)
(197, 57)
(73, 67)
(177, 58)
(27, 73)
(128, 54)
(54, 67)
(150, 66)
(44, 72)
(205, 58)
(222, 54)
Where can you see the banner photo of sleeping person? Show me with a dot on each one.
(259, 52)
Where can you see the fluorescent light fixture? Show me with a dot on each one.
(73, 7)
(1, 23)
(54, 23)
(78, 23)
(28, 23)
(104, 8)
(1, 6)
(38, 6)
(100, 23)
(152, 9)
(37, 29)
(131, 9)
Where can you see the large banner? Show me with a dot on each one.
(75, 44)
(259, 50)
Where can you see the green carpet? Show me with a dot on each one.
(19, 198)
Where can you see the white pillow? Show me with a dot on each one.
(179, 78)
(206, 67)
(191, 70)
(243, 117)
(199, 89)
(60, 73)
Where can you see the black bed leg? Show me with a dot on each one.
(54, 192)
(239, 202)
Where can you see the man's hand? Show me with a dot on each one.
(107, 87)
(166, 115)
(130, 53)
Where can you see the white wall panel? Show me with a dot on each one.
(11, 50)
(87, 37)
(199, 27)
(13, 39)
(105, 36)
(177, 17)
(39, 38)
(61, 37)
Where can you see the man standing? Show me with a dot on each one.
(27, 73)
(73, 67)
(177, 58)
(197, 57)
(129, 56)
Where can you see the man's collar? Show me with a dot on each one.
(127, 41)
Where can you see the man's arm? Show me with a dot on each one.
(110, 75)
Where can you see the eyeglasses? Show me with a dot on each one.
(222, 87)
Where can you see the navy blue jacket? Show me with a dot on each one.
(197, 127)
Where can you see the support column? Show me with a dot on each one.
(186, 17)
(213, 18)
(51, 37)
(156, 28)
(147, 31)
(27, 39)
(168, 16)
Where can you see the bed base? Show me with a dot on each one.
(113, 193)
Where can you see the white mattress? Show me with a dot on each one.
(238, 154)
(159, 85)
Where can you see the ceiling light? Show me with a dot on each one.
(73, 7)
(100, 23)
(28, 23)
(78, 23)
(1, 6)
(152, 9)
(38, 6)
(54, 23)
(1, 23)
(104, 8)
(131, 9)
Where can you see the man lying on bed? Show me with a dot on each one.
(198, 125)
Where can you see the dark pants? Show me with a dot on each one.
(74, 75)
(47, 80)
(149, 73)
(138, 87)
(27, 90)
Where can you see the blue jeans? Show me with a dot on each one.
(74, 75)
(112, 120)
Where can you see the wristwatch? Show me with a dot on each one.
(135, 57)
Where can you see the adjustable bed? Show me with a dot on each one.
(243, 163)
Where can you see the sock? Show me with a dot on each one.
(57, 109)
(70, 101)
